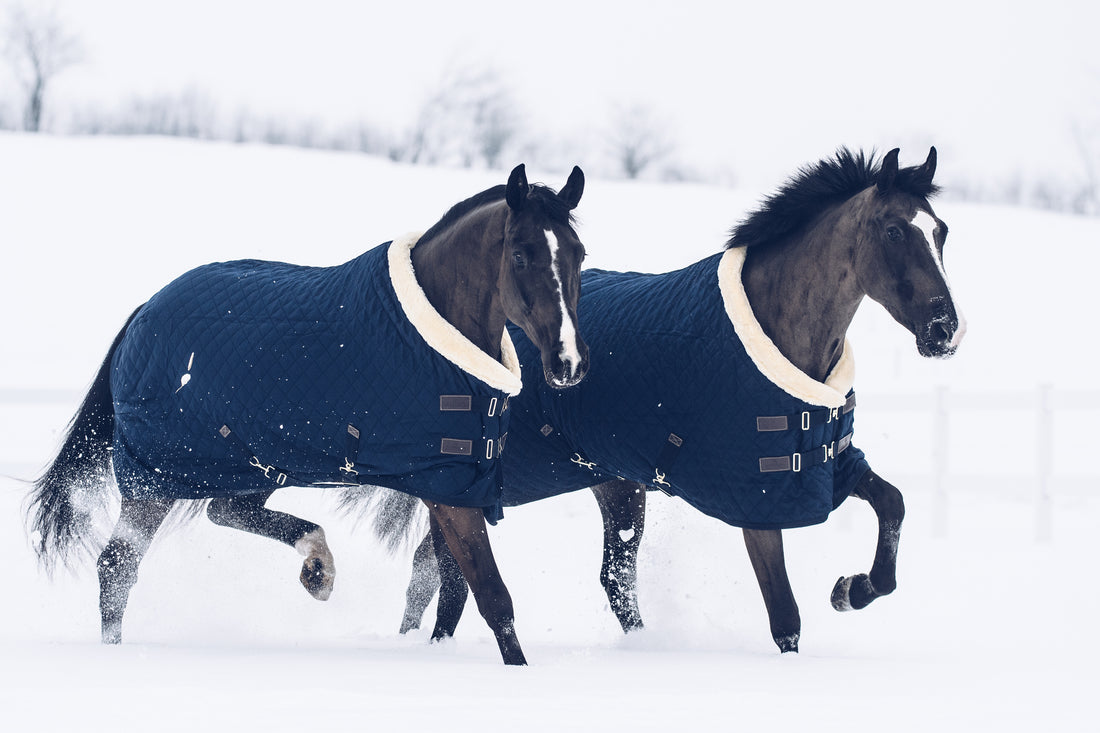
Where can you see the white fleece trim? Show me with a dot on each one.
(766, 355)
(440, 334)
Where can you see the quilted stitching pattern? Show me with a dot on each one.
(665, 359)
(287, 357)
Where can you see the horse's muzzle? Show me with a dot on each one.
(941, 335)
(566, 371)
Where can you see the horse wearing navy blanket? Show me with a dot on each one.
(393, 369)
(729, 384)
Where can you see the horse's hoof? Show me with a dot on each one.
(316, 579)
(788, 643)
(319, 570)
(853, 593)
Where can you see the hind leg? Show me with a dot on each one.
(622, 504)
(765, 548)
(248, 513)
(857, 591)
(422, 585)
(118, 564)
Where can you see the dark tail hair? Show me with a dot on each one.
(399, 520)
(73, 491)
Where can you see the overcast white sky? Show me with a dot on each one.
(755, 86)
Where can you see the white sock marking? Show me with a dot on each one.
(569, 353)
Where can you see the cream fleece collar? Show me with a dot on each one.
(441, 335)
(764, 353)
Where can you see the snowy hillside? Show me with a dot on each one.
(989, 628)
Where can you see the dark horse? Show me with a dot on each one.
(687, 416)
(394, 368)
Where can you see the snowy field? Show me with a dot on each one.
(990, 628)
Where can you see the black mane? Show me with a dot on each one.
(549, 204)
(814, 188)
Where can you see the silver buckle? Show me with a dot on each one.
(805, 420)
(492, 407)
(796, 462)
(581, 462)
(349, 468)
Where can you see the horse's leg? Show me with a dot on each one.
(465, 533)
(453, 589)
(422, 585)
(249, 514)
(765, 548)
(118, 564)
(857, 591)
(622, 504)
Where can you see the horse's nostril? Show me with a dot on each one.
(940, 333)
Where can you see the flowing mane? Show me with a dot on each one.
(813, 189)
(550, 204)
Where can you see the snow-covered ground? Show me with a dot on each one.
(990, 628)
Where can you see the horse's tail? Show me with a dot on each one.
(399, 520)
(73, 491)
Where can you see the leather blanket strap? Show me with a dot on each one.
(683, 395)
(244, 376)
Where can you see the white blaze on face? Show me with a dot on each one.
(926, 223)
(569, 354)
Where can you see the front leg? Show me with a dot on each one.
(248, 513)
(465, 533)
(857, 591)
(765, 548)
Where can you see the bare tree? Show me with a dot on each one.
(637, 139)
(39, 48)
(470, 117)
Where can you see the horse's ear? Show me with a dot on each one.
(889, 171)
(571, 192)
(516, 191)
(926, 171)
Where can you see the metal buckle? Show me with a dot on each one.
(349, 468)
(805, 420)
(796, 462)
(659, 478)
(489, 448)
(492, 407)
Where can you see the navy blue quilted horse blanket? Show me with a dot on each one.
(244, 376)
(686, 393)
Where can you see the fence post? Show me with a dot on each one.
(939, 458)
(1044, 454)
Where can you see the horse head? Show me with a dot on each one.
(540, 273)
(899, 257)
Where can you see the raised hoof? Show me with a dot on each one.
(316, 579)
(853, 593)
(788, 643)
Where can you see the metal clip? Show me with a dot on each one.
(489, 448)
(834, 414)
(805, 420)
(828, 451)
(796, 462)
(349, 468)
(581, 462)
(659, 478)
(279, 478)
(492, 407)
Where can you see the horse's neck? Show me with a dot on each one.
(458, 271)
(804, 293)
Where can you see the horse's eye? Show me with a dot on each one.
(894, 233)
(519, 260)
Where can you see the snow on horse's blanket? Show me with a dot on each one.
(240, 377)
(686, 393)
